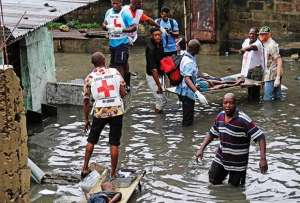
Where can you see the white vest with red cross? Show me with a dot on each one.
(136, 20)
(105, 88)
(115, 20)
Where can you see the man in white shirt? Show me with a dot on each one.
(253, 61)
(273, 63)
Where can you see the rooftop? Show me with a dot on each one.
(38, 13)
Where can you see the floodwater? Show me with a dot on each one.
(158, 144)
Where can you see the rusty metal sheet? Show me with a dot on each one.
(38, 13)
(204, 20)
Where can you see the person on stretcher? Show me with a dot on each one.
(206, 82)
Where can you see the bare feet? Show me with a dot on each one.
(84, 173)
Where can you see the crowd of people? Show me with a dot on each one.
(235, 130)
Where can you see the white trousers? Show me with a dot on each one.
(160, 99)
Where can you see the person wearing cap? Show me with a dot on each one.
(154, 53)
(136, 12)
(118, 23)
(253, 61)
(273, 66)
(170, 31)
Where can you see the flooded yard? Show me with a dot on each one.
(158, 144)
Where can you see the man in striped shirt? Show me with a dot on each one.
(235, 131)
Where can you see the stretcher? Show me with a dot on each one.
(126, 192)
(247, 83)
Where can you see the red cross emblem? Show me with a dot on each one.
(105, 88)
(116, 23)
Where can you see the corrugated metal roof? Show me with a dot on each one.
(38, 13)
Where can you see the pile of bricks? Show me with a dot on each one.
(14, 173)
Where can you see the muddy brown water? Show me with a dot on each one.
(159, 145)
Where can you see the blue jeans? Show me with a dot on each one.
(271, 92)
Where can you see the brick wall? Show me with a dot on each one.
(283, 16)
(14, 174)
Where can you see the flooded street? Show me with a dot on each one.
(158, 144)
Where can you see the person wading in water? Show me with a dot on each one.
(235, 131)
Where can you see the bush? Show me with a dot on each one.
(54, 25)
(75, 24)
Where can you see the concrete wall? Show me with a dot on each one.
(283, 16)
(94, 12)
(65, 93)
(81, 45)
(14, 174)
(234, 18)
(37, 67)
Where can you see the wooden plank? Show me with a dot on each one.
(72, 34)
(247, 83)
(126, 192)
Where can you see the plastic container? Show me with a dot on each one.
(89, 181)
(125, 177)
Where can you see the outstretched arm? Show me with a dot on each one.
(150, 21)
(263, 164)
(249, 48)
(131, 28)
(206, 141)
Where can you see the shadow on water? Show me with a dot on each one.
(159, 145)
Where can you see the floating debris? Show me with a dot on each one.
(47, 192)
(295, 57)
(61, 179)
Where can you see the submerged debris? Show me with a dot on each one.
(61, 179)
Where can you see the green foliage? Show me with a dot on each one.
(54, 25)
(75, 24)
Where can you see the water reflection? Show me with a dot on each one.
(159, 145)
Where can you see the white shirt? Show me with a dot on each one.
(253, 58)
(136, 20)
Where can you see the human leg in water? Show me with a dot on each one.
(127, 75)
(114, 153)
(88, 152)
